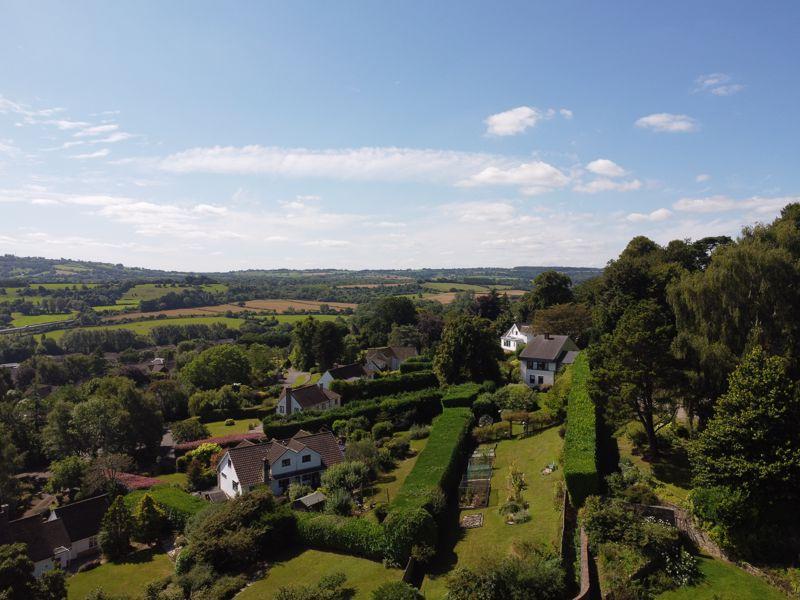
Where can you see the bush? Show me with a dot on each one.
(419, 432)
(339, 502)
(580, 441)
(485, 405)
(360, 537)
(407, 531)
(382, 429)
(396, 590)
(516, 396)
(178, 504)
(381, 510)
(189, 430)
(461, 395)
(492, 433)
(229, 422)
(362, 389)
(637, 435)
(298, 490)
(398, 448)
(415, 367)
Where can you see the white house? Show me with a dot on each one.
(387, 358)
(300, 459)
(307, 397)
(58, 537)
(517, 335)
(342, 373)
(543, 356)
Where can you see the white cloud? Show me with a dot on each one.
(606, 168)
(533, 178)
(328, 243)
(8, 148)
(718, 84)
(566, 113)
(514, 121)
(99, 154)
(608, 185)
(117, 136)
(702, 177)
(717, 204)
(666, 122)
(660, 214)
(97, 130)
(209, 209)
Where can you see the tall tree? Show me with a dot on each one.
(549, 288)
(635, 371)
(218, 366)
(328, 344)
(302, 356)
(10, 462)
(468, 351)
(149, 518)
(115, 530)
(574, 320)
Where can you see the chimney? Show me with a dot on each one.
(547, 336)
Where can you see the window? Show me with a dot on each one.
(223, 475)
(541, 380)
(281, 409)
(533, 379)
(92, 542)
(235, 486)
(541, 366)
(529, 364)
(306, 458)
(286, 462)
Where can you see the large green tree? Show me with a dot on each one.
(217, 366)
(17, 581)
(469, 351)
(115, 530)
(549, 288)
(750, 450)
(635, 370)
(574, 320)
(10, 462)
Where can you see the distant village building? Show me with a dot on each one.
(543, 356)
(516, 336)
(278, 463)
(387, 358)
(58, 537)
(350, 372)
(307, 397)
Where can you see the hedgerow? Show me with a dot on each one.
(417, 407)
(362, 389)
(461, 395)
(438, 465)
(416, 366)
(580, 441)
(359, 536)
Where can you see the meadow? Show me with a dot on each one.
(146, 326)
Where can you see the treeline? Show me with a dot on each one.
(116, 340)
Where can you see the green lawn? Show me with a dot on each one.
(173, 479)
(218, 428)
(145, 326)
(495, 538)
(724, 581)
(128, 578)
(171, 497)
(388, 483)
(20, 320)
(670, 474)
(309, 566)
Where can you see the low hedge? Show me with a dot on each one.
(580, 441)
(415, 367)
(362, 389)
(359, 536)
(461, 395)
(439, 463)
(424, 404)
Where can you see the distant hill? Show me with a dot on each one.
(26, 269)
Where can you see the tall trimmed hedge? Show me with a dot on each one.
(461, 395)
(425, 404)
(359, 536)
(439, 463)
(414, 366)
(362, 389)
(580, 441)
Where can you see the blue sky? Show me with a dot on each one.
(215, 136)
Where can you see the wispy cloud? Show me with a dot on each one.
(720, 203)
(97, 130)
(718, 84)
(667, 122)
(99, 154)
(702, 177)
(519, 119)
(660, 214)
(608, 185)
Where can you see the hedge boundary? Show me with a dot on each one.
(580, 441)
(363, 389)
(351, 535)
(462, 395)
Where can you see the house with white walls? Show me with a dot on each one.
(307, 397)
(544, 356)
(516, 336)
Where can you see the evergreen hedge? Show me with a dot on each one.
(580, 441)
(352, 535)
(423, 406)
(461, 395)
(362, 389)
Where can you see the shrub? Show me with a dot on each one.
(381, 510)
(415, 367)
(637, 435)
(189, 430)
(396, 590)
(398, 447)
(461, 395)
(229, 422)
(178, 504)
(419, 432)
(330, 587)
(485, 405)
(580, 441)
(298, 490)
(516, 396)
(492, 433)
(361, 537)
(382, 429)
(339, 502)
(348, 476)
(407, 531)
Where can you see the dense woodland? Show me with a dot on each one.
(692, 349)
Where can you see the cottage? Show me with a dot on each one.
(307, 397)
(342, 373)
(278, 463)
(387, 358)
(543, 356)
(56, 539)
(516, 336)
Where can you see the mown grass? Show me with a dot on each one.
(306, 568)
(218, 428)
(495, 538)
(128, 578)
(171, 497)
(145, 326)
(724, 580)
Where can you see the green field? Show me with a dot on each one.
(309, 566)
(296, 318)
(145, 326)
(151, 291)
(124, 578)
(448, 286)
(723, 581)
(20, 320)
(495, 537)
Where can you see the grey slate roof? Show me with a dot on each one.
(547, 347)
